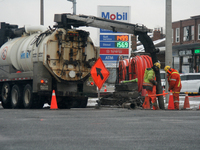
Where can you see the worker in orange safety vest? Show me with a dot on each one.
(174, 81)
(150, 83)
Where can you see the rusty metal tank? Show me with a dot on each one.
(67, 54)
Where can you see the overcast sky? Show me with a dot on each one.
(151, 13)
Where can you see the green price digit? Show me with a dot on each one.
(122, 44)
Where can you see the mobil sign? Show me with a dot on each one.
(119, 13)
(114, 16)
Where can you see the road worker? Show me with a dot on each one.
(150, 83)
(174, 81)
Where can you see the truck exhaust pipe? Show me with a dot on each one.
(129, 105)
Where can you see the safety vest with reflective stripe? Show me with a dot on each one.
(174, 80)
(149, 76)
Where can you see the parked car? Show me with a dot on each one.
(190, 82)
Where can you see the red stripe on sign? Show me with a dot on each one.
(114, 51)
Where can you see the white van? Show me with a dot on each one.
(190, 82)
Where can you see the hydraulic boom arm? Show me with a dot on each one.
(115, 26)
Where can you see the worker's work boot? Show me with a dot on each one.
(176, 105)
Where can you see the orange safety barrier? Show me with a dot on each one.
(163, 91)
(159, 94)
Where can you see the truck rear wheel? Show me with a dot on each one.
(27, 97)
(31, 100)
(16, 97)
(5, 95)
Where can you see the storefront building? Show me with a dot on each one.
(186, 45)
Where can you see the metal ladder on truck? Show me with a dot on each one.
(69, 20)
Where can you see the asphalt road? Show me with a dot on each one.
(99, 129)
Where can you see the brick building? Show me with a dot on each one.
(186, 45)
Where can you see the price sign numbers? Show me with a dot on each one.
(121, 38)
(122, 44)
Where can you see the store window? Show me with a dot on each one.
(177, 35)
(176, 63)
(187, 64)
(198, 31)
(188, 33)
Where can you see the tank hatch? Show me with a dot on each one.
(70, 54)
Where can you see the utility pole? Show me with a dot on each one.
(168, 42)
(41, 12)
(74, 6)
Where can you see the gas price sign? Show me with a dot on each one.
(107, 38)
(114, 41)
(113, 44)
(123, 41)
(121, 37)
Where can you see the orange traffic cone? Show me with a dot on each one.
(186, 102)
(53, 101)
(171, 101)
(105, 90)
(163, 92)
(146, 104)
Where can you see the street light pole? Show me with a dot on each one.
(168, 42)
(41, 12)
(74, 6)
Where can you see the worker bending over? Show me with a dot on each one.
(150, 83)
(174, 81)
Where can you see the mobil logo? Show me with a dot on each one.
(114, 16)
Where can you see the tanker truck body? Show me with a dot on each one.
(34, 61)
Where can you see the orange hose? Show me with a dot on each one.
(139, 72)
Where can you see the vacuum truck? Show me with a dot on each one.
(36, 60)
